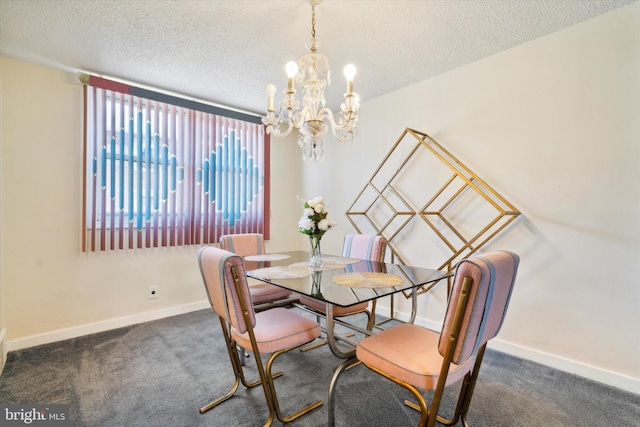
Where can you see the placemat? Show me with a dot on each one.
(266, 257)
(328, 263)
(367, 280)
(290, 272)
(339, 260)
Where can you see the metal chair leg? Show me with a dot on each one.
(332, 386)
(242, 353)
(272, 391)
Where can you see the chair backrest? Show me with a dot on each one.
(364, 246)
(243, 244)
(216, 266)
(493, 275)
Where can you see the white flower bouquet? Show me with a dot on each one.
(314, 223)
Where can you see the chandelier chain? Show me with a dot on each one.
(313, 22)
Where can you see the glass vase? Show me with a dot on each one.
(316, 284)
(315, 255)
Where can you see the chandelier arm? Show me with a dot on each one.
(301, 114)
(285, 133)
(327, 113)
(338, 138)
(334, 127)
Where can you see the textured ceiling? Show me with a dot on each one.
(226, 52)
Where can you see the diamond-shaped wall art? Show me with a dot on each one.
(422, 196)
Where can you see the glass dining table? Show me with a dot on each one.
(342, 282)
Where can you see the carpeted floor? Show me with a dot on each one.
(159, 373)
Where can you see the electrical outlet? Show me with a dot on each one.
(153, 291)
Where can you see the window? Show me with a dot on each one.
(173, 173)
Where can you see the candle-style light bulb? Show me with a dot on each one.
(292, 69)
(349, 73)
(271, 91)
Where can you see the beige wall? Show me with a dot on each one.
(50, 288)
(2, 298)
(554, 126)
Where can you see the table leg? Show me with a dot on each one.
(414, 304)
(331, 338)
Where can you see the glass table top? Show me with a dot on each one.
(341, 281)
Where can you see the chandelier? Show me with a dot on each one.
(311, 117)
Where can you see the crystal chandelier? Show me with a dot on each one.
(313, 73)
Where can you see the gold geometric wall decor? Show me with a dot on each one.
(422, 196)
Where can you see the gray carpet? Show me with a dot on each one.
(159, 374)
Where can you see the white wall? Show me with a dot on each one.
(52, 290)
(552, 125)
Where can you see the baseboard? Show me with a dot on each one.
(3, 348)
(593, 373)
(92, 328)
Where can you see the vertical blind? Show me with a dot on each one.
(163, 174)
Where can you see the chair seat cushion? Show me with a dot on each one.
(278, 329)
(409, 353)
(262, 292)
(338, 311)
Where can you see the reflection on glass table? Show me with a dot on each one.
(342, 282)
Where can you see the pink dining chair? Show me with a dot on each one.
(361, 246)
(417, 358)
(274, 331)
(263, 294)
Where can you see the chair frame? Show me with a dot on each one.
(428, 416)
(266, 376)
(266, 305)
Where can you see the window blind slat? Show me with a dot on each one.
(112, 176)
(121, 175)
(94, 164)
(102, 155)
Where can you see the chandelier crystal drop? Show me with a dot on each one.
(310, 116)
